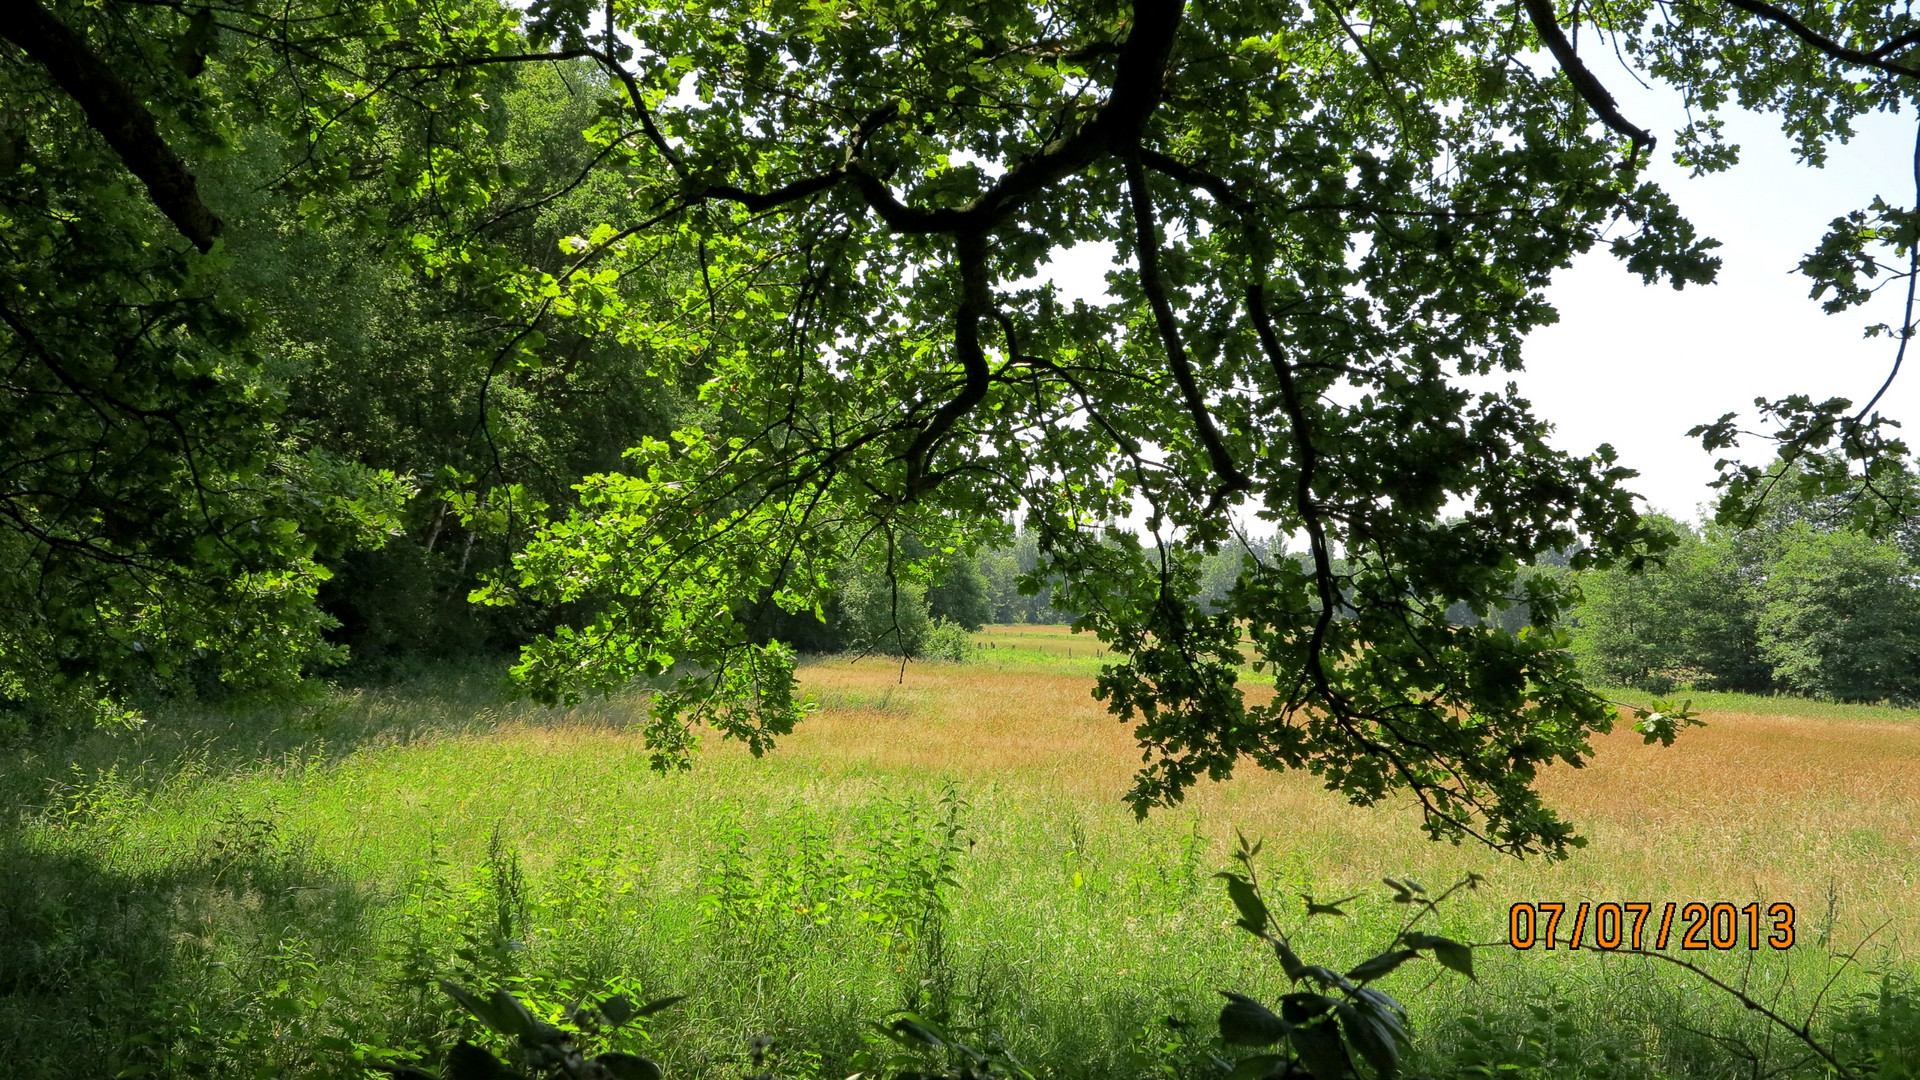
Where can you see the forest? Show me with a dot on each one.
(585, 540)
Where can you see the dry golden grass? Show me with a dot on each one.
(1814, 812)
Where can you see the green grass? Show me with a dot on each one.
(270, 892)
(1768, 705)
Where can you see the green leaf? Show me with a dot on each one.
(1330, 908)
(1289, 963)
(517, 1019)
(911, 1028)
(1375, 1042)
(1246, 898)
(469, 1062)
(618, 1009)
(1450, 953)
(1384, 964)
(622, 1066)
(1323, 976)
(1385, 1012)
(1258, 1067)
(1246, 1022)
(1301, 1007)
(482, 1010)
(1320, 1050)
(660, 1004)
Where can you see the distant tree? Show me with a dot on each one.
(883, 614)
(1690, 618)
(1841, 618)
(1222, 569)
(1000, 569)
(959, 593)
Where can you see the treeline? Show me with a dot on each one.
(929, 602)
(1797, 603)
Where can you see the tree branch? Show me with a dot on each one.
(1147, 246)
(1589, 87)
(116, 112)
(976, 302)
(1825, 44)
(1307, 460)
(501, 58)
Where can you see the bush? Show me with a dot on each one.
(882, 615)
(1879, 1037)
(947, 640)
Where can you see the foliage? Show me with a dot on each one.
(826, 226)
(885, 616)
(540, 1049)
(888, 375)
(312, 400)
(1798, 602)
(1005, 568)
(1690, 618)
(958, 593)
(1841, 618)
(950, 641)
(1337, 1021)
(1879, 1035)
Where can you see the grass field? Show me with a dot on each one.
(271, 892)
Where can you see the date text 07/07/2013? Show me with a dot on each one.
(1630, 924)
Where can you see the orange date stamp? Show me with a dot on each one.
(1700, 925)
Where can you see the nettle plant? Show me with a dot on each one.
(538, 1050)
(1330, 1022)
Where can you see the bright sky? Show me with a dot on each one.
(1636, 366)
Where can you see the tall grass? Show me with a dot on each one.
(276, 892)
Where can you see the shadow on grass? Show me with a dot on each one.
(327, 723)
(124, 954)
(118, 972)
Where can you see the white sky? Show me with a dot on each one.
(1636, 366)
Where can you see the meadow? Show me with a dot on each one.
(275, 891)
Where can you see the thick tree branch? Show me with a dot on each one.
(501, 58)
(1589, 87)
(1307, 463)
(760, 202)
(1147, 245)
(976, 303)
(1138, 81)
(116, 112)
(1782, 17)
(1220, 188)
(1894, 46)
(610, 59)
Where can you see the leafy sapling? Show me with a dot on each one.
(540, 1050)
(915, 1047)
(1662, 721)
(1330, 1021)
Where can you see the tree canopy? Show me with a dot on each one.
(830, 221)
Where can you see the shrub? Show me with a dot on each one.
(948, 640)
(885, 616)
